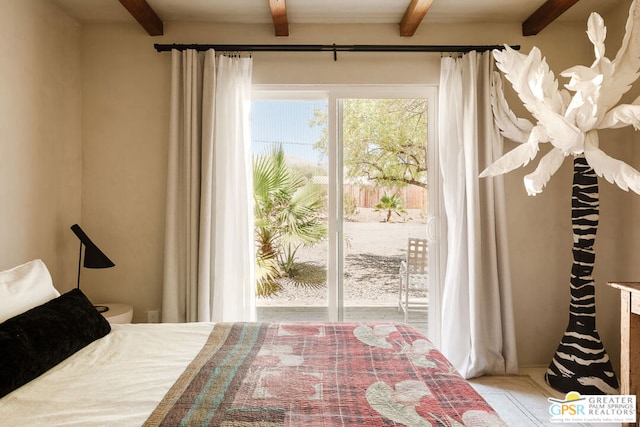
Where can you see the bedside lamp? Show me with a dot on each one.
(93, 256)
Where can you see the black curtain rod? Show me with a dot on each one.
(326, 48)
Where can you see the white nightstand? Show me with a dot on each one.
(117, 313)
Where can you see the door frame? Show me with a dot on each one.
(334, 94)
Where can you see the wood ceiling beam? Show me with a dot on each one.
(279, 16)
(546, 14)
(145, 15)
(413, 16)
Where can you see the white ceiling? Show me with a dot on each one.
(329, 11)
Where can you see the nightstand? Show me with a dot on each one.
(117, 313)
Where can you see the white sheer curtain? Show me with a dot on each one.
(209, 250)
(477, 332)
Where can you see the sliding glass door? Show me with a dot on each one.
(361, 161)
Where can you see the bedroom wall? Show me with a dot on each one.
(40, 136)
(125, 127)
(627, 143)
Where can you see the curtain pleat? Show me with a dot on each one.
(477, 332)
(206, 277)
(181, 236)
(234, 263)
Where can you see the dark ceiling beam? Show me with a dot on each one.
(145, 15)
(279, 16)
(545, 15)
(413, 16)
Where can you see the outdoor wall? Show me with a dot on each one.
(40, 152)
(125, 132)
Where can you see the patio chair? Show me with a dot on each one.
(413, 278)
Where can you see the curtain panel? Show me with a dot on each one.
(209, 250)
(477, 332)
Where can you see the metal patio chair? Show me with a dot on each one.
(413, 278)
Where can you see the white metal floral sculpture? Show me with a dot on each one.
(569, 119)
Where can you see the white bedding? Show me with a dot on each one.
(102, 383)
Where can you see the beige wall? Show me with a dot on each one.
(125, 86)
(124, 142)
(40, 144)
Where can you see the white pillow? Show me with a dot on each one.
(24, 287)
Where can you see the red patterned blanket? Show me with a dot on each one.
(326, 374)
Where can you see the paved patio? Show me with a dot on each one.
(373, 251)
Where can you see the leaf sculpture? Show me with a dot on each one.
(569, 123)
(569, 119)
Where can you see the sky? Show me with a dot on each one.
(286, 122)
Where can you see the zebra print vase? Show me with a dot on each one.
(581, 363)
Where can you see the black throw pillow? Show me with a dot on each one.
(33, 342)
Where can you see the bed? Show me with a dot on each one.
(224, 374)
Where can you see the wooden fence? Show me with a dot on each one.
(366, 196)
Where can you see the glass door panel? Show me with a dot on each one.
(290, 191)
(384, 199)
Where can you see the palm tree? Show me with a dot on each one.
(392, 204)
(287, 216)
(571, 124)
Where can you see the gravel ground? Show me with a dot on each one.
(373, 254)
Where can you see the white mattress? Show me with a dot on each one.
(117, 380)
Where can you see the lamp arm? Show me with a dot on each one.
(79, 264)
